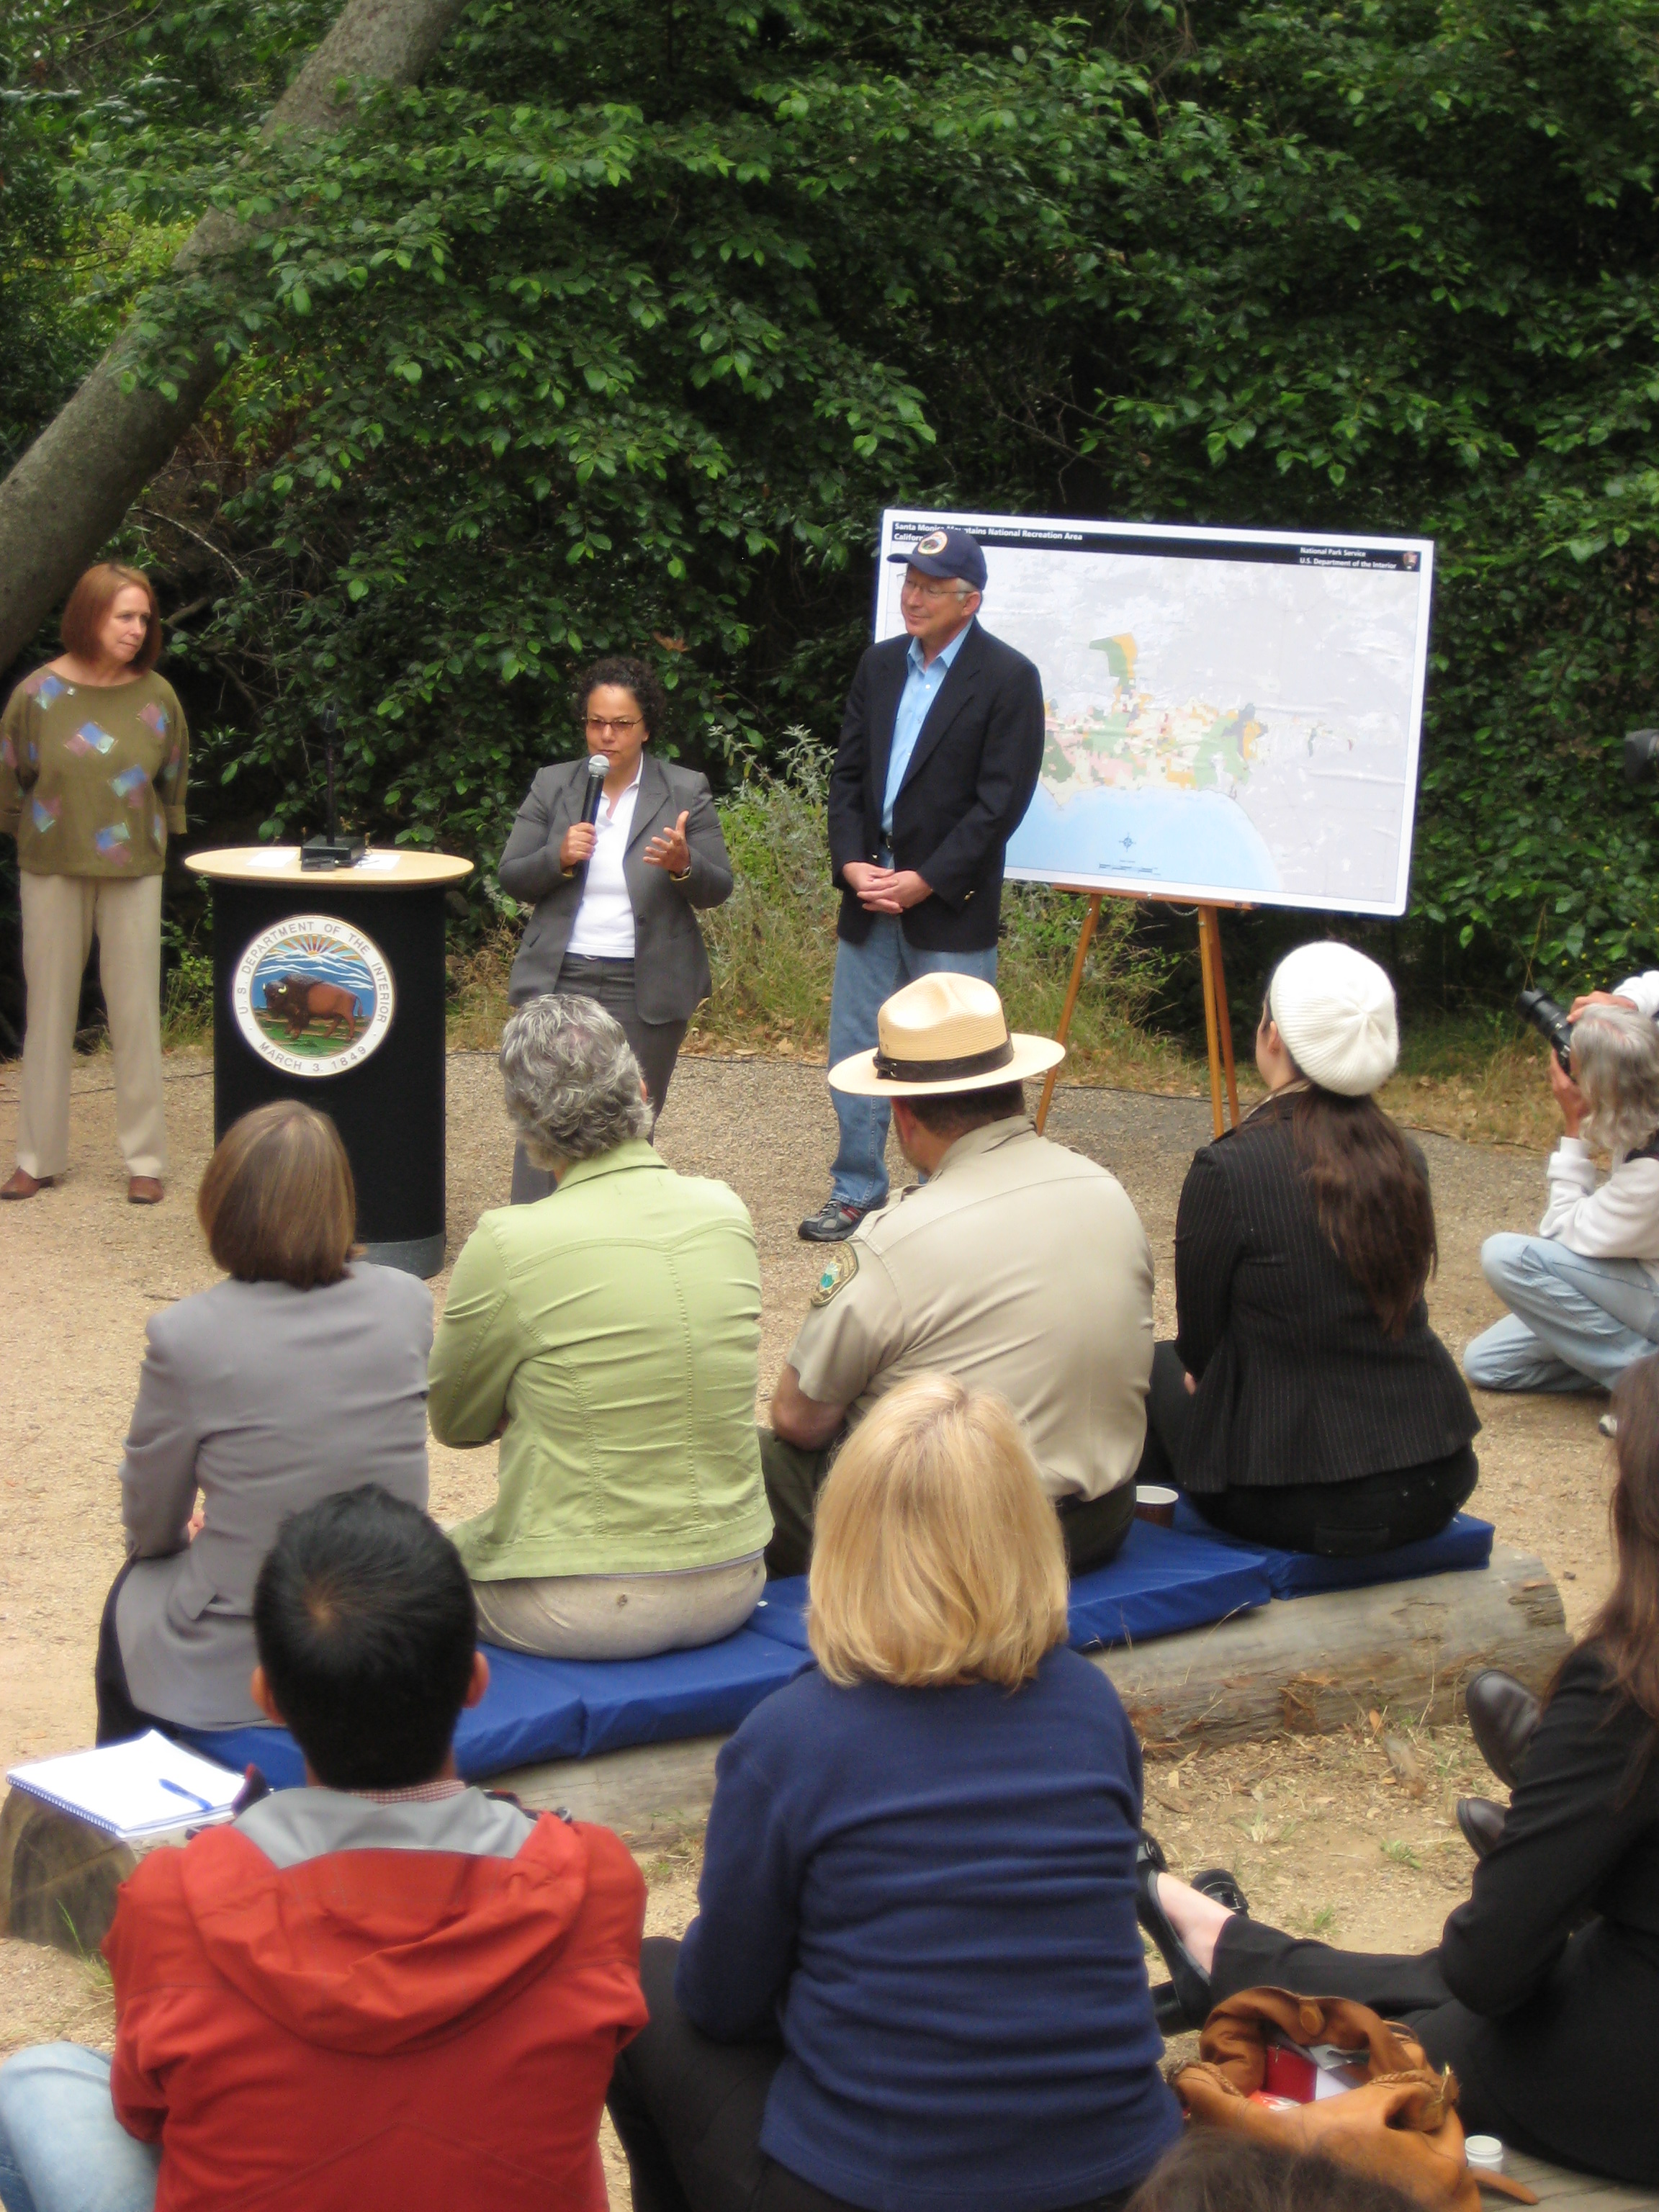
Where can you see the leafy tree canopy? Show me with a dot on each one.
(617, 334)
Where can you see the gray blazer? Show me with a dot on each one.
(267, 1399)
(671, 967)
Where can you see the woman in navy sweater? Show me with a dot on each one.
(914, 1979)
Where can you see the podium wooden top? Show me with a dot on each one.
(391, 869)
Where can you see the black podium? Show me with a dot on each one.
(328, 985)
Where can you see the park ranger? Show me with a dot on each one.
(1016, 1265)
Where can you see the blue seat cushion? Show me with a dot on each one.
(1159, 1583)
(545, 1709)
(1464, 1542)
(1163, 1581)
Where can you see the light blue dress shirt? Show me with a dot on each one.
(922, 686)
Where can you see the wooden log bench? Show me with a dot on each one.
(1308, 1665)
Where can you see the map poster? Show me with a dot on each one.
(1233, 715)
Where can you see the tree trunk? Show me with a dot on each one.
(76, 482)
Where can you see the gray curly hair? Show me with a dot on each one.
(572, 1081)
(1615, 1063)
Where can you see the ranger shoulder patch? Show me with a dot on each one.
(839, 1266)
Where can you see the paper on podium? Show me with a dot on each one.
(143, 1788)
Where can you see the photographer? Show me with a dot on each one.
(1583, 1293)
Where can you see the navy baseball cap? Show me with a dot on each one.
(946, 553)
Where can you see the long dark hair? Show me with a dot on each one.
(1371, 1197)
(1627, 1627)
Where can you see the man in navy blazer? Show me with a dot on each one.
(939, 751)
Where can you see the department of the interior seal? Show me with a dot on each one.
(313, 996)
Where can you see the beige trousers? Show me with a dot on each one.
(61, 915)
(619, 1616)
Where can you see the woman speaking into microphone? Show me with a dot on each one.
(612, 866)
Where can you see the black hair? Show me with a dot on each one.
(1217, 2170)
(366, 1628)
(954, 1113)
(636, 675)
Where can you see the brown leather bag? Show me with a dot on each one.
(1400, 2126)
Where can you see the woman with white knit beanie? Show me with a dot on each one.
(1305, 1402)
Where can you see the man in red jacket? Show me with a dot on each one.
(386, 1988)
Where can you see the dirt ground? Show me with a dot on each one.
(1327, 1836)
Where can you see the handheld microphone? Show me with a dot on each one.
(598, 768)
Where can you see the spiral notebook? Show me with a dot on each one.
(142, 1788)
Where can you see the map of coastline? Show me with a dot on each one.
(1223, 727)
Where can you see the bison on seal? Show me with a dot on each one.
(299, 1002)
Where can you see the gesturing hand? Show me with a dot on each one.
(668, 848)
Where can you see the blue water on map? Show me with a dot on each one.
(1197, 839)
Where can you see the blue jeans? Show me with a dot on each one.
(1573, 1323)
(866, 976)
(61, 2149)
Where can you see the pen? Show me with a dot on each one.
(176, 1789)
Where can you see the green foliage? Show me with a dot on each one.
(617, 334)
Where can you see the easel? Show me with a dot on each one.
(1218, 1023)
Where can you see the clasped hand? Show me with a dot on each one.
(886, 891)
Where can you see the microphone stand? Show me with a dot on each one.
(332, 851)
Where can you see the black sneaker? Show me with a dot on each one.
(834, 1221)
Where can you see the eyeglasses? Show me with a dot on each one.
(618, 722)
(933, 587)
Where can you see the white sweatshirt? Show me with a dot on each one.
(1619, 1221)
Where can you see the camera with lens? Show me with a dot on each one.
(1549, 1019)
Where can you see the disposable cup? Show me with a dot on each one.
(1154, 1503)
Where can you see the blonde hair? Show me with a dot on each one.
(936, 1557)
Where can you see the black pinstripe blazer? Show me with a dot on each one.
(1297, 1381)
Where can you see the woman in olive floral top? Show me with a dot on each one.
(93, 754)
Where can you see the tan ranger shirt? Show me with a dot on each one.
(1020, 1266)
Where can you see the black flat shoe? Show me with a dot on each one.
(1502, 1714)
(1223, 1886)
(1188, 1984)
(1482, 1823)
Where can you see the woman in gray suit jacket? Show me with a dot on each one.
(612, 898)
(302, 1374)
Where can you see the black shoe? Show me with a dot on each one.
(1482, 1823)
(1219, 1883)
(834, 1221)
(1502, 1714)
(1188, 1983)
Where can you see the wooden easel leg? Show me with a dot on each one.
(1085, 937)
(1211, 1036)
(1222, 1012)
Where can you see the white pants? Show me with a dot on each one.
(61, 915)
(620, 1616)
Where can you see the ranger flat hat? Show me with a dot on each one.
(943, 1033)
(946, 553)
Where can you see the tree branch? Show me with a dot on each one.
(71, 488)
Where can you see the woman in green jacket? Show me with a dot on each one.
(610, 1335)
